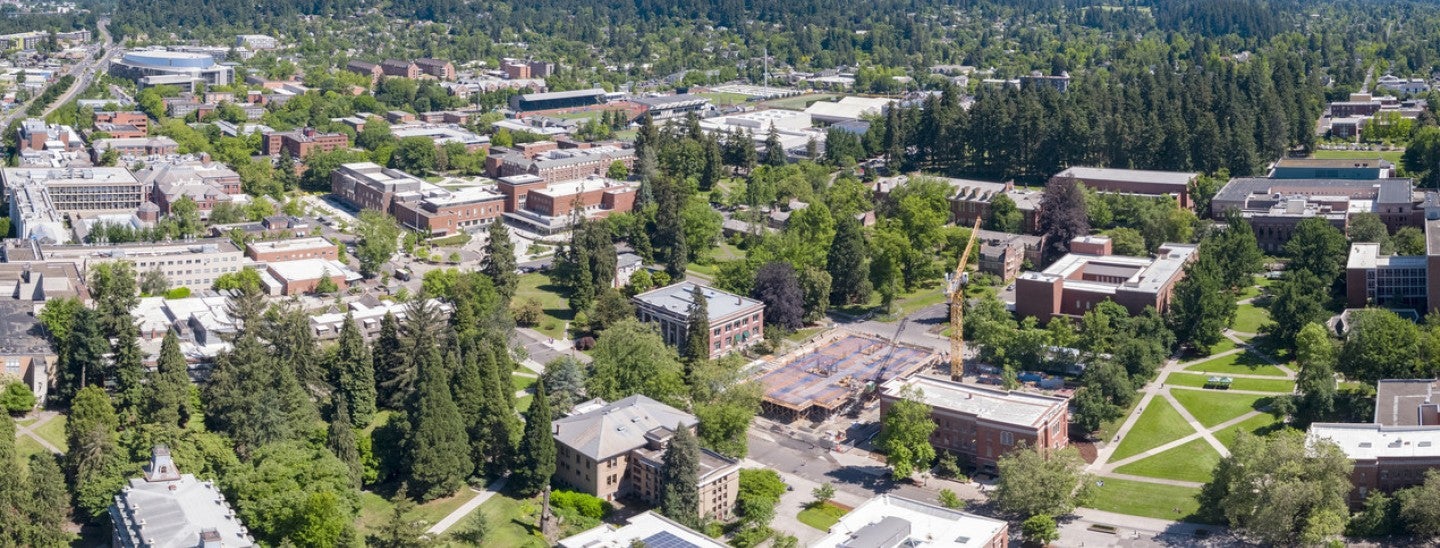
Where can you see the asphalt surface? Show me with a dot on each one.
(84, 73)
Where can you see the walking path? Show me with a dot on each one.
(464, 510)
(42, 417)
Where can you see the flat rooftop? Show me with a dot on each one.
(579, 186)
(892, 521)
(1398, 401)
(832, 370)
(1333, 163)
(1175, 178)
(287, 245)
(676, 299)
(1004, 406)
(650, 529)
(1375, 441)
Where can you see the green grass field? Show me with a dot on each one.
(1281, 386)
(54, 432)
(1259, 425)
(521, 404)
(821, 516)
(1393, 156)
(523, 382)
(25, 446)
(1241, 363)
(556, 310)
(724, 98)
(1159, 424)
(799, 102)
(375, 510)
(512, 522)
(1249, 318)
(1150, 500)
(1193, 461)
(1212, 408)
(1109, 428)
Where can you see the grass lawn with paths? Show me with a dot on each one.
(1211, 407)
(54, 432)
(1239, 363)
(556, 310)
(821, 516)
(512, 522)
(375, 510)
(1193, 461)
(1159, 424)
(1249, 318)
(1152, 500)
(523, 382)
(1259, 425)
(1280, 386)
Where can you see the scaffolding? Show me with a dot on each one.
(820, 379)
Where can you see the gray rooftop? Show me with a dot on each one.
(618, 427)
(676, 300)
(1176, 178)
(1398, 402)
(990, 404)
(1392, 190)
(165, 509)
(592, 92)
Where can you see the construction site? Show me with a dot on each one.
(836, 373)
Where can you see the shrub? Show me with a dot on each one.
(177, 293)
(585, 343)
(529, 312)
(17, 398)
(585, 504)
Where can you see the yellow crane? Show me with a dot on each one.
(956, 296)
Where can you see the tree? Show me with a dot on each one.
(1040, 529)
(414, 155)
(564, 377)
(1005, 216)
(499, 260)
(1062, 213)
(617, 171)
(1237, 252)
(823, 493)
(94, 462)
(905, 435)
(1422, 156)
(1281, 489)
(1409, 241)
(168, 391)
(187, 214)
(153, 282)
(759, 493)
(1381, 345)
(47, 503)
(1367, 227)
(294, 491)
(1127, 241)
(341, 441)
(17, 399)
(680, 479)
(697, 328)
(774, 151)
(391, 371)
(495, 428)
(1201, 308)
(378, 235)
(1105, 392)
(13, 497)
(536, 454)
(1317, 246)
(777, 287)
(631, 358)
(251, 396)
(437, 451)
(949, 499)
(611, 307)
(326, 285)
(353, 372)
(1298, 301)
(1419, 510)
(1034, 484)
(847, 262)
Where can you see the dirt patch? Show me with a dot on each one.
(1087, 449)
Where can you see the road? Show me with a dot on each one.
(84, 73)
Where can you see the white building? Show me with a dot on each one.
(167, 509)
(647, 529)
(889, 521)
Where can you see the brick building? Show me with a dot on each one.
(1402, 443)
(444, 212)
(205, 182)
(367, 185)
(890, 521)
(367, 69)
(1274, 206)
(439, 68)
(1090, 274)
(615, 451)
(35, 134)
(735, 322)
(304, 275)
(299, 143)
(400, 68)
(1134, 181)
(122, 123)
(292, 250)
(1004, 254)
(546, 160)
(983, 423)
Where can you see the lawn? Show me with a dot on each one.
(802, 334)
(821, 516)
(521, 404)
(1152, 500)
(724, 98)
(523, 382)
(1239, 363)
(1159, 424)
(1393, 156)
(54, 432)
(1109, 428)
(1249, 318)
(1193, 461)
(1212, 408)
(512, 522)
(375, 510)
(1281, 386)
(1259, 425)
(459, 238)
(25, 446)
(799, 102)
(556, 309)
(578, 115)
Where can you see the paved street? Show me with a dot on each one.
(84, 73)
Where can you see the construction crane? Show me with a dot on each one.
(956, 296)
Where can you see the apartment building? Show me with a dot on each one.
(736, 322)
(983, 423)
(399, 68)
(616, 450)
(439, 68)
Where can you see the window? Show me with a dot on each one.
(1007, 438)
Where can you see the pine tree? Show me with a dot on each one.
(48, 504)
(402, 530)
(253, 397)
(499, 260)
(680, 479)
(341, 441)
(697, 332)
(129, 374)
(13, 496)
(496, 419)
(470, 401)
(389, 361)
(354, 372)
(847, 264)
(292, 344)
(536, 455)
(774, 151)
(167, 394)
(437, 452)
(93, 463)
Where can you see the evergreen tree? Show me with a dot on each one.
(437, 456)
(94, 462)
(354, 372)
(129, 374)
(48, 504)
(250, 396)
(1062, 213)
(469, 392)
(1201, 308)
(496, 420)
(499, 260)
(847, 263)
(402, 530)
(536, 454)
(391, 376)
(341, 441)
(697, 331)
(1315, 353)
(714, 164)
(13, 498)
(292, 343)
(774, 151)
(565, 379)
(167, 394)
(680, 479)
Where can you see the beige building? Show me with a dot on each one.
(616, 451)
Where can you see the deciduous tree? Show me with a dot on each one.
(1281, 489)
(1034, 484)
(905, 436)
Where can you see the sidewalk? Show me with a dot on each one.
(464, 510)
